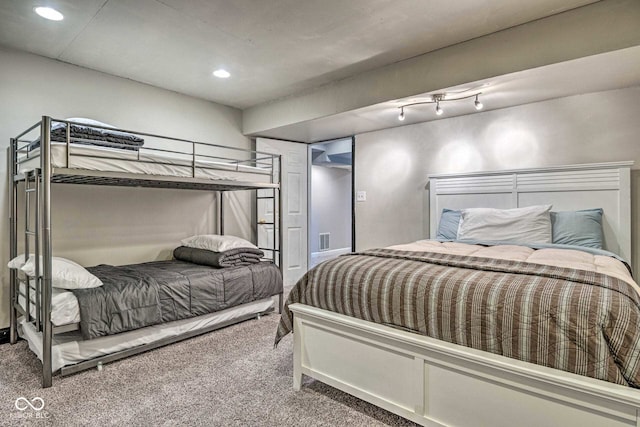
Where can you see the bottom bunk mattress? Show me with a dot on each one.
(515, 301)
(139, 295)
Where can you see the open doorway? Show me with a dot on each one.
(331, 200)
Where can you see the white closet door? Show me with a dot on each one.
(294, 205)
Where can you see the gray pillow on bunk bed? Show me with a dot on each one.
(230, 258)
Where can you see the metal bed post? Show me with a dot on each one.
(47, 330)
(37, 251)
(218, 195)
(27, 247)
(221, 213)
(13, 240)
(280, 232)
(67, 139)
(193, 160)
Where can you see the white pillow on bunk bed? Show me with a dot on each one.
(65, 273)
(216, 243)
(17, 262)
(89, 122)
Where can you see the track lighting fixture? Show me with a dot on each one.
(478, 104)
(437, 98)
(438, 109)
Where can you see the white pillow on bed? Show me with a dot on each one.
(531, 224)
(216, 243)
(65, 274)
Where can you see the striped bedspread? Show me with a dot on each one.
(574, 320)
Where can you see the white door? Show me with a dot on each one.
(293, 190)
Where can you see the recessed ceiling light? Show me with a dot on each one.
(49, 13)
(221, 73)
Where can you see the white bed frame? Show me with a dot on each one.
(435, 383)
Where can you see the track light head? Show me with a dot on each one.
(478, 104)
(439, 110)
(401, 116)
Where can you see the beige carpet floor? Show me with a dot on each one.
(233, 376)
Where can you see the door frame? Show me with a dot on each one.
(353, 191)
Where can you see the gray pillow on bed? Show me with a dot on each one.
(448, 225)
(581, 228)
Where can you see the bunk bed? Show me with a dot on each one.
(448, 332)
(78, 151)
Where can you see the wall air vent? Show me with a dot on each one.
(324, 241)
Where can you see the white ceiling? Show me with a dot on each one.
(273, 48)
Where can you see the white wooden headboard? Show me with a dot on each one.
(601, 185)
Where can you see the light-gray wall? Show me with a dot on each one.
(393, 165)
(330, 207)
(94, 225)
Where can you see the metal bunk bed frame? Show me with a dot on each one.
(38, 182)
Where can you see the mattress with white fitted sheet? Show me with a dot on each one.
(144, 161)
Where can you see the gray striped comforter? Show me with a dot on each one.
(577, 321)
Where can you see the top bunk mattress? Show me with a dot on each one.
(144, 161)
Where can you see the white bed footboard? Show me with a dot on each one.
(436, 383)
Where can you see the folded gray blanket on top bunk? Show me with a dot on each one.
(140, 295)
(88, 135)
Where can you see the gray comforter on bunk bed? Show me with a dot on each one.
(140, 295)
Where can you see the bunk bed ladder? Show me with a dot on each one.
(36, 187)
(32, 187)
(274, 196)
(274, 249)
(37, 230)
